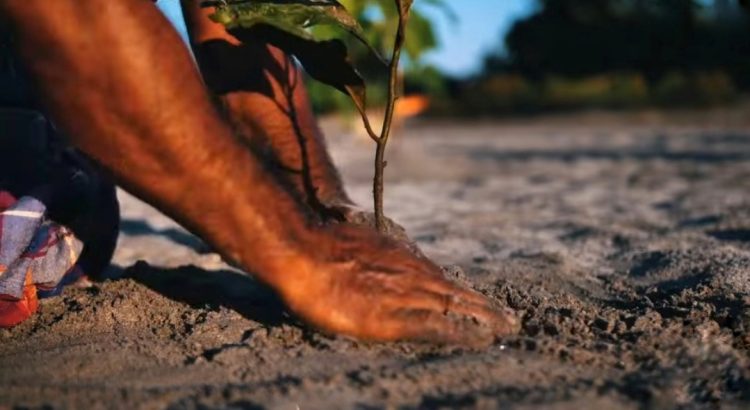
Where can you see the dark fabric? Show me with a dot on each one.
(81, 197)
(15, 89)
(32, 245)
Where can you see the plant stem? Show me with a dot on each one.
(382, 141)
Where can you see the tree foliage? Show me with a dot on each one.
(379, 20)
(616, 54)
(578, 38)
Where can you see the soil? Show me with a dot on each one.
(623, 240)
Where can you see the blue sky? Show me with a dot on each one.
(480, 27)
(173, 12)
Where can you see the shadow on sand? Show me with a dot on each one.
(201, 288)
(139, 227)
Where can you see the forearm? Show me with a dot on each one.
(286, 126)
(263, 94)
(116, 78)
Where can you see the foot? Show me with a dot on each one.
(371, 287)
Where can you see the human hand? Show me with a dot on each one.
(373, 288)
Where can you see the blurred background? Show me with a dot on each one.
(508, 57)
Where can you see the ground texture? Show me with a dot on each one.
(624, 242)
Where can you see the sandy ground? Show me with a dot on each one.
(624, 242)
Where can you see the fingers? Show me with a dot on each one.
(422, 325)
(426, 290)
(502, 322)
(442, 285)
(438, 283)
(456, 316)
(392, 295)
(474, 305)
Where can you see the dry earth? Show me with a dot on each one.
(624, 241)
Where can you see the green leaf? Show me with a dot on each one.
(292, 16)
(328, 62)
(419, 36)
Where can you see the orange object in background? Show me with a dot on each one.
(13, 312)
(410, 106)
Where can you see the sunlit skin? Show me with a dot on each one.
(264, 98)
(116, 78)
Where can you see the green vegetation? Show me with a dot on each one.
(574, 54)
(511, 93)
(379, 20)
